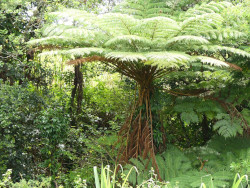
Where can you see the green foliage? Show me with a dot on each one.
(122, 33)
(53, 127)
(240, 181)
(186, 42)
(221, 153)
(225, 128)
(6, 181)
(33, 132)
(172, 163)
(151, 8)
(12, 39)
(19, 108)
(164, 43)
(184, 168)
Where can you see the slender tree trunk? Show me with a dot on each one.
(77, 92)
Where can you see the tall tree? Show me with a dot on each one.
(144, 50)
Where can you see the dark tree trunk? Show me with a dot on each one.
(206, 130)
(76, 95)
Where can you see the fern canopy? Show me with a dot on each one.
(116, 32)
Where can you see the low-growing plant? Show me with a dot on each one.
(241, 180)
(109, 178)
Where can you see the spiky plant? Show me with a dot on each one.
(142, 49)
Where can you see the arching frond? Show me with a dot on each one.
(117, 24)
(157, 27)
(132, 41)
(169, 59)
(53, 40)
(216, 48)
(198, 23)
(79, 33)
(73, 54)
(211, 61)
(212, 7)
(187, 39)
(83, 52)
(221, 34)
(143, 9)
(127, 56)
(54, 30)
(135, 8)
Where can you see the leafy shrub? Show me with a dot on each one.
(7, 182)
(19, 107)
(32, 132)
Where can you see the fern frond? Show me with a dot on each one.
(172, 163)
(53, 41)
(73, 54)
(83, 52)
(222, 34)
(127, 56)
(216, 48)
(189, 117)
(226, 127)
(195, 25)
(212, 7)
(212, 61)
(80, 33)
(54, 30)
(117, 24)
(187, 39)
(169, 59)
(135, 8)
(219, 179)
(157, 27)
(129, 41)
(143, 9)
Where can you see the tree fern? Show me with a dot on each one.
(143, 49)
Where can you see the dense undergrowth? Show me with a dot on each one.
(220, 163)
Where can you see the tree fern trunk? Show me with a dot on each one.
(137, 132)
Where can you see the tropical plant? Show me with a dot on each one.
(238, 182)
(209, 164)
(143, 50)
(109, 178)
(172, 163)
